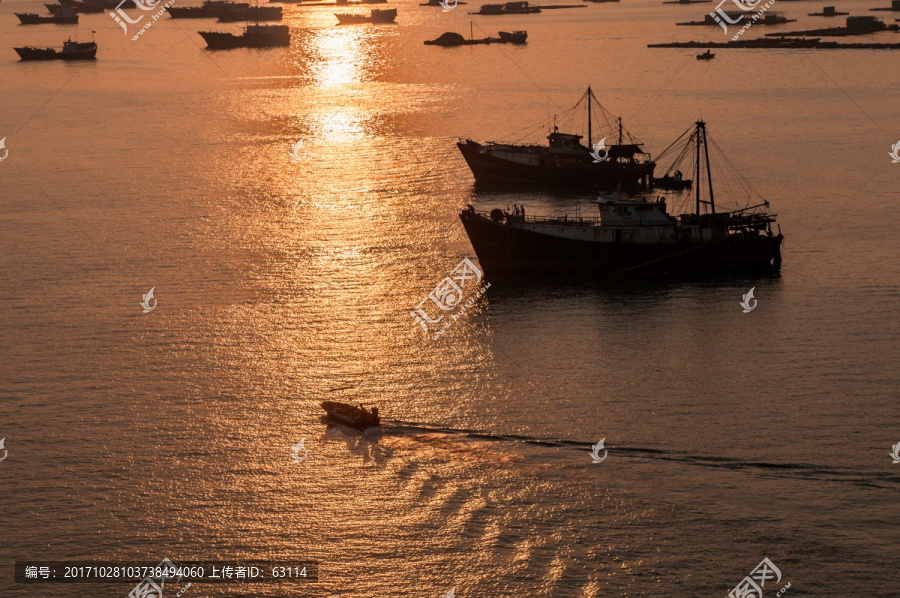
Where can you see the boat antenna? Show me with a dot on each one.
(620, 130)
(471, 35)
(589, 96)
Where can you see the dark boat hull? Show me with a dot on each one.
(555, 172)
(53, 54)
(33, 19)
(507, 250)
(226, 41)
(265, 13)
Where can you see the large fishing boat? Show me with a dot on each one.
(634, 236)
(254, 36)
(70, 51)
(565, 161)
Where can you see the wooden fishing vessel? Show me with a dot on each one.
(254, 36)
(69, 51)
(565, 162)
(376, 15)
(64, 16)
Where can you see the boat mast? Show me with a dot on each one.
(697, 168)
(712, 201)
(590, 95)
(620, 130)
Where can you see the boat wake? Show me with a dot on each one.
(811, 472)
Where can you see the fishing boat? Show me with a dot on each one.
(82, 7)
(737, 17)
(828, 11)
(254, 36)
(708, 55)
(520, 8)
(210, 9)
(65, 16)
(376, 15)
(250, 13)
(70, 51)
(634, 236)
(895, 6)
(351, 415)
(516, 37)
(855, 26)
(565, 162)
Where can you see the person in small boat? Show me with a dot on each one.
(678, 175)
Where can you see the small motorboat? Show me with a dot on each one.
(708, 55)
(70, 51)
(351, 415)
(516, 37)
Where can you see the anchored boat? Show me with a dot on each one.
(70, 51)
(63, 16)
(632, 236)
(254, 36)
(351, 415)
(377, 15)
(565, 162)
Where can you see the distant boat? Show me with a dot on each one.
(351, 415)
(70, 51)
(708, 55)
(376, 15)
(254, 36)
(737, 17)
(210, 9)
(520, 8)
(450, 39)
(251, 13)
(78, 6)
(895, 6)
(828, 11)
(631, 237)
(863, 25)
(65, 16)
